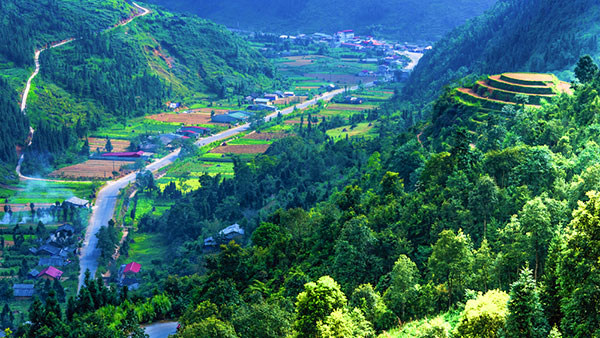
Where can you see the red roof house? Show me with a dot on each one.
(51, 273)
(132, 267)
(128, 154)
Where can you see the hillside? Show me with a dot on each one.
(112, 72)
(404, 20)
(515, 35)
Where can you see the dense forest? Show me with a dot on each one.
(515, 35)
(488, 233)
(405, 20)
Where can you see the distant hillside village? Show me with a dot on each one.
(390, 56)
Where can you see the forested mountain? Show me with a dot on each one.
(406, 20)
(515, 35)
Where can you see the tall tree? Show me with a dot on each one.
(525, 315)
(586, 70)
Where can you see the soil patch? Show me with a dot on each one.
(93, 169)
(242, 149)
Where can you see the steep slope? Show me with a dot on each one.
(515, 35)
(407, 19)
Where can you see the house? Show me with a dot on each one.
(127, 275)
(23, 291)
(132, 154)
(264, 101)
(47, 249)
(261, 107)
(240, 116)
(52, 261)
(149, 147)
(33, 274)
(231, 233)
(132, 268)
(345, 35)
(174, 105)
(224, 118)
(200, 130)
(271, 97)
(188, 133)
(77, 202)
(369, 60)
(50, 273)
(289, 94)
(65, 230)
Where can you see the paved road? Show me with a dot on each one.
(161, 330)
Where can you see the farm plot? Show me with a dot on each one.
(118, 145)
(187, 119)
(348, 79)
(93, 169)
(242, 149)
(266, 136)
(360, 130)
(40, 192)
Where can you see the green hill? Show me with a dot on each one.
(515, 35)
(406, 20)
(109, 71)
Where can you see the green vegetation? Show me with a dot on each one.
(512, 35)
(408, 20)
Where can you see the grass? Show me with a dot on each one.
(50, 192)
(412, 329)
(145, 248)
(145, 206)
(136, 127)
(361, 129)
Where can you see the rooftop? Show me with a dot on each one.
(132, 267)
(52, 272)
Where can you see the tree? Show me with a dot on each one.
(586, 70)
(484, 316)
(318, 300)
(209, 328)
(450, 261)
(343, 324)
(401, 293)
(262, 320)
(578, 266)
(108, 146)
(522, 100)
(525, 315)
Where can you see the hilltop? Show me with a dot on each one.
(405, 20)
(518, 35)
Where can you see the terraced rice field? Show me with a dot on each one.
(92, 169)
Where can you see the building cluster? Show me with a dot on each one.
(54, 253)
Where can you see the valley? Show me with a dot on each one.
(161, 174)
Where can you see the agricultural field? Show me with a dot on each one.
(365, 129)
(118, 145)
(40, 192)
(190, 119)
(135, 127)
(309, 72)
(94, 169)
